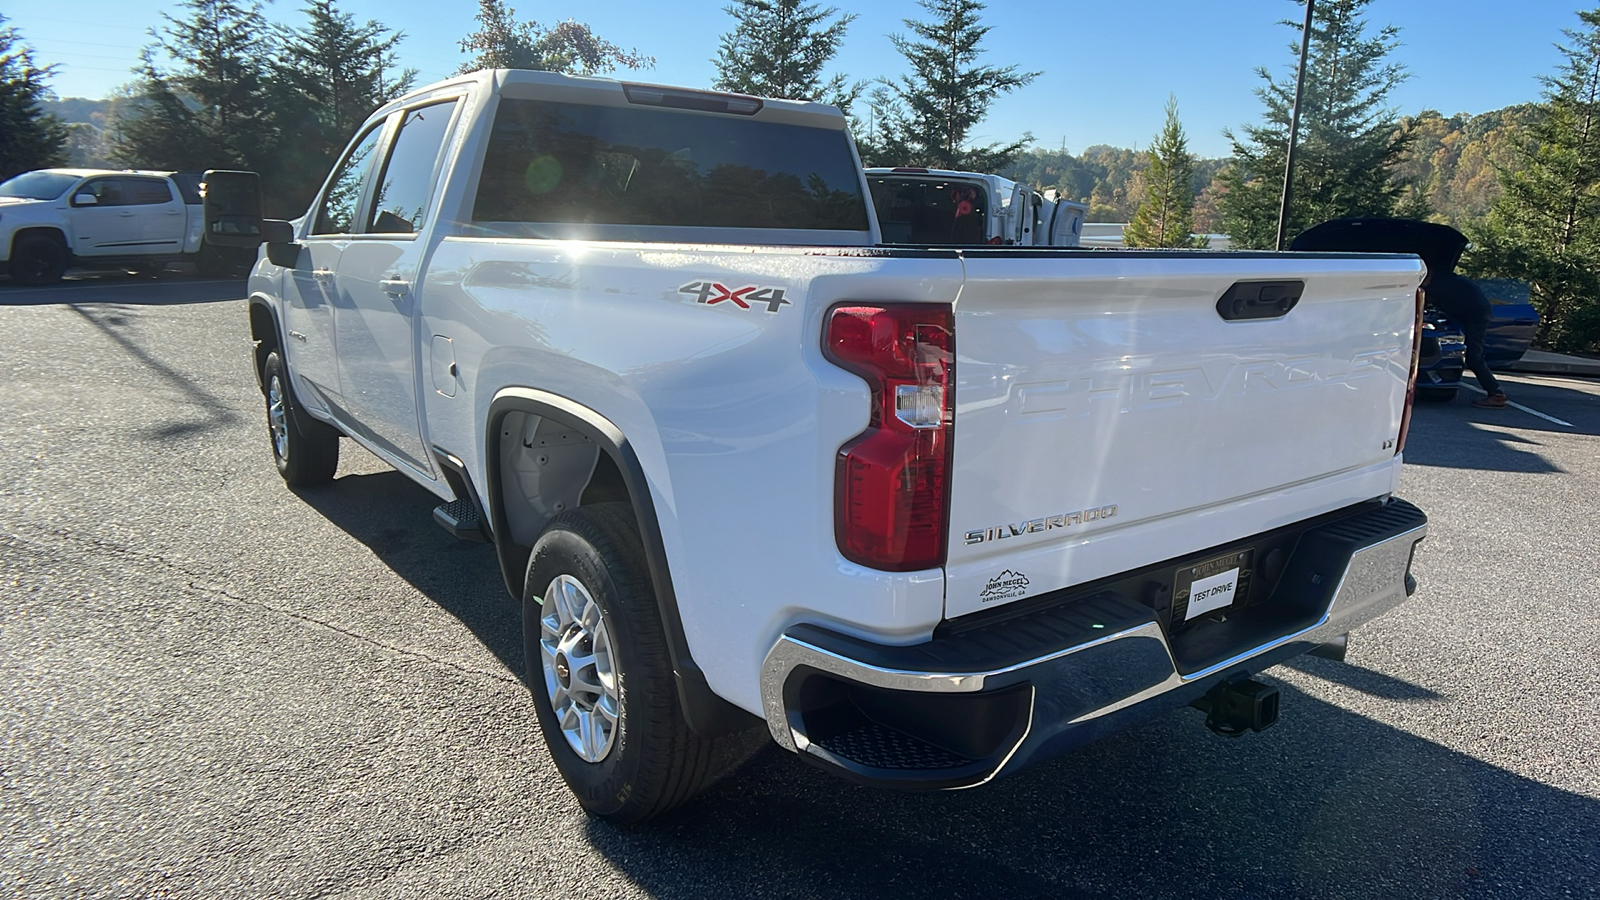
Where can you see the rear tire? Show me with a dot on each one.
(1437, 394)
(601, 675)
(37, 259)
(306, 451)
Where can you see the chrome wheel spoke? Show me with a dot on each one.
(579, 669)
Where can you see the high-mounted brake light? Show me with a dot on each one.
(891, 482)
(1411, 382)
(912, 170)
(704, 101)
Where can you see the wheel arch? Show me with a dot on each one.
(707, 714)
(53, 232)
(266, 334)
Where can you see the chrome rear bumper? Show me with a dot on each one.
(1038, 686)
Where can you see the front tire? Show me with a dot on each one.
(601, 675)
(306, 451)
(37, 259)
(1437, 394)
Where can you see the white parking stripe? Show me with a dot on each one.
(1531, 412)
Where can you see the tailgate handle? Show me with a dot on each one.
(1259, 299)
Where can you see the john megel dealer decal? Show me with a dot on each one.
(1008, 585)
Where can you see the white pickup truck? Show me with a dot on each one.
(923, 515)
(53, 219)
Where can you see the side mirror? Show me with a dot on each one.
(231, 205)
(85, 200)
(282, 251)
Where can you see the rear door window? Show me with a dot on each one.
(406, 185)
(337, 212)
(145, 192)
(571, 164)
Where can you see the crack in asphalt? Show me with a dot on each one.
(201, 582)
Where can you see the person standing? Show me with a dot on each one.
(1467, 306)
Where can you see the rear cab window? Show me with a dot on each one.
(555, 169)
(916, 210)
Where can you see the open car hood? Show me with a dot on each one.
(1440, 246)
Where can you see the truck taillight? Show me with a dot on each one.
(892, 481)
(1411, 382)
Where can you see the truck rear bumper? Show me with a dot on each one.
(977, 702)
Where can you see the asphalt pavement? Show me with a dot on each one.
(215, 687)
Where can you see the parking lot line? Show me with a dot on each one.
(1529, 411)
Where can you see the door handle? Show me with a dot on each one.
(126, 215)
(322, 274)
(395, 287)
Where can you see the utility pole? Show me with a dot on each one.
(1294, 126)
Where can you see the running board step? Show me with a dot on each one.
(460, 518)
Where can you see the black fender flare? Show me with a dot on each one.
(258, 353)
(705, 712)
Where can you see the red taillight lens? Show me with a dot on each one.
(891, 482)
(1411, 382)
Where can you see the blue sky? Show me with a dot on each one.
(1108, 66)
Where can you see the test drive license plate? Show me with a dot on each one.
(1212, 585)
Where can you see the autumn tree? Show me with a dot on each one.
(1545, 228)
(1165, 217)
(927, 118)
(502, 42)
(30, 138)
(1350, 138)
(780, 48)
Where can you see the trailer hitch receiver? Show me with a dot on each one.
(1238, 705)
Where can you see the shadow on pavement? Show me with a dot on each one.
(1374, 684)
(392, 516)
(1328, 803)
(1460, 436)
(168, 289)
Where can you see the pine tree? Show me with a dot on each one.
(778, 48)
(1545, 228)
(343, 70)
(927, 118)
(30, 138)
(153, 128)
(1165, 217)
(329, 75)
(219, 76)
(501, 42)
(1350, 141)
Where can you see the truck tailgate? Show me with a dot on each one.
(1109, 417)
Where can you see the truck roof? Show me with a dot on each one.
(590, 89)
(923, 170)
(84, 173)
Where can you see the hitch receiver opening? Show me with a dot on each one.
(1239, 705)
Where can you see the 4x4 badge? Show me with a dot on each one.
(712, 293)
